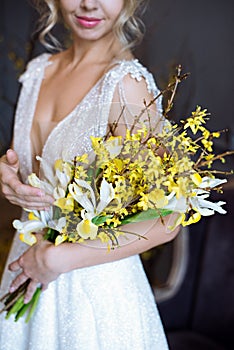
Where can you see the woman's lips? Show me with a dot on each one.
(88, 22)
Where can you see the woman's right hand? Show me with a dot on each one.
(15, 191)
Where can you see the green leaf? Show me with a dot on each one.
(149, 214)
(97, 220)
(50, 235)
(90, 173)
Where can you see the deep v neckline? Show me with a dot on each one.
(67, 117)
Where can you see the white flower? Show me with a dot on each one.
(86, 228)
(205, 207)
(38, 220)
(57, 225)
(114, 146)
(56, 182)
(198, 201)
(43, 185)
(88, 200)
(28, 226)
(208, 182)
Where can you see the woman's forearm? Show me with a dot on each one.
(74, 256)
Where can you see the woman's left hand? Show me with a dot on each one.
(34, 265)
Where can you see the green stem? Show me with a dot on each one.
(34, 303)
(16, 307)
(22, 311)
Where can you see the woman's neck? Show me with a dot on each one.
(102, 51)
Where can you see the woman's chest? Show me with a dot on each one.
(61, 92)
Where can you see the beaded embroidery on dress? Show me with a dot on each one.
(104, 307)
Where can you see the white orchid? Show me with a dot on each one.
(86, 228)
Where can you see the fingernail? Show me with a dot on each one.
(12, 289)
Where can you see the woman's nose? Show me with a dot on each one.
(89, 4)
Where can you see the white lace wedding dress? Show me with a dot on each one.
(104, 307)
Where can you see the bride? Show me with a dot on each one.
(91, 300)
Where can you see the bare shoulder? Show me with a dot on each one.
(136, 90)
(137, 83)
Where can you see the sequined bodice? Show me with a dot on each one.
(71, 136)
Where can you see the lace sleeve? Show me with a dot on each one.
(133, 92)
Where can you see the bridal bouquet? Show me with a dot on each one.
(142, 175)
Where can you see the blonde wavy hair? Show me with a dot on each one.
(129, 28)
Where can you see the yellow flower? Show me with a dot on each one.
(83, 159)
(157, 198)
(143, 202)
(216, 134)
(65, 204)
(180, 187)
(209, 159)
(80, 172)
(205, 133)
(118, 164)
(132, 137)
(196, 178)
(103, 237)
(195, 217)
(115, 221)
(196, 120)
(208, 145)
(95, 142)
